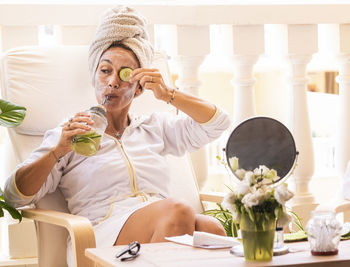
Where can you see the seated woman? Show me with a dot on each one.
(123, 188)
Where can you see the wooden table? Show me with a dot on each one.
(170, 255)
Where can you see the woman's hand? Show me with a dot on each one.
(151, 79)
(79, 124)
(198, 109)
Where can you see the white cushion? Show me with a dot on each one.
(44, 79)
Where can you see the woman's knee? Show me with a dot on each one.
(179, 215)
(179, 210)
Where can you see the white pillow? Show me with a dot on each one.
(51, 82)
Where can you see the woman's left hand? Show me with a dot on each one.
(151, 79)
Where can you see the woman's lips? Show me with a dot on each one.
(111, 96)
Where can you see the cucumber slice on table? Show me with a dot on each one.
(293, 237)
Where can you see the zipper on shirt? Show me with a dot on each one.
(132, 173)
(131, 169)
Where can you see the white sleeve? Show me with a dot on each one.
(11, 193)
(184, 134)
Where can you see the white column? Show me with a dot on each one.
(188, 67)
(248, 44)
(342, 151)
(302, 43)
(192, 47)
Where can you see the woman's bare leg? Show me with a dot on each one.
(165, 218)
(154, 222)
(205, 223)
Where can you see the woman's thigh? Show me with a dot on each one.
(142, 224)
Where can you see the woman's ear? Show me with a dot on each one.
(139, 90)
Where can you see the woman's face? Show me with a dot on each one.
(108, 83)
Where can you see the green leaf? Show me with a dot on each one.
(251, 215)
(15, 214)
(1, 194)
(296, 220)
(11, 115)
(1, 213)
(229, 188)
(234, 229)
(225, 218)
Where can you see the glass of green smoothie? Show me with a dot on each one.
(87, 144)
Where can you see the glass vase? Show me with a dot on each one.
(258, 237)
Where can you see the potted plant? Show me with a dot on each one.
(11, 115)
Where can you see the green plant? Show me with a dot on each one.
(225, 218)
(11, 115)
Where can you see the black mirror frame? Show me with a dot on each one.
(292, 165)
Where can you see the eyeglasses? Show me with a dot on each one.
(132, 249)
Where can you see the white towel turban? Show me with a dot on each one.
(124, 25)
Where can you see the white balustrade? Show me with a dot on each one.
(248, 44)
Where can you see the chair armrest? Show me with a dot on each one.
(344, 207)
(216, 197)
(79, 228)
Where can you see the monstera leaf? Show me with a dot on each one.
(11, 115)
(13, 212)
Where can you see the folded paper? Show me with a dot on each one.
(205, 240)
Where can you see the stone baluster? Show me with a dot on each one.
(342, 150)
(248, 44)
(302, 43)
(192, 47)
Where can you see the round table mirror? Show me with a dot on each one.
(262, 141)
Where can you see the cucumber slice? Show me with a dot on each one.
(297, 236)
(124, 74)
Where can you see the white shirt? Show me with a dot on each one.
(132, 166)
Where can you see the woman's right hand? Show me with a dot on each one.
(79, 124)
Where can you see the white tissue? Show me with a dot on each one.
(205, 240)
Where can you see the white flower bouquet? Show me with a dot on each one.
(255, 204)
(256, 197)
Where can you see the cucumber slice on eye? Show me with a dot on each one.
(124, 74)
